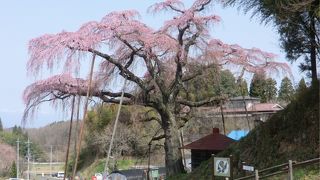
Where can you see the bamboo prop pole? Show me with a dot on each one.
(149, 158)
(212, 167)
(115, 125)
(84, 116)
(222, 117)
(245, 108)
(256, 172)
(69, 138)
(290, 170)
(77, 124)
(182, 150)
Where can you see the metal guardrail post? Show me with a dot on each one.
(290, 170)
(256, 175)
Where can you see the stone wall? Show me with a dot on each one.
(206, 118)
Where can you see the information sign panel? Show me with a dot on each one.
(221, 166)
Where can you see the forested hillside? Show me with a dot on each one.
(8, 154)
(290, 134)
(7, 158)
(55, 136)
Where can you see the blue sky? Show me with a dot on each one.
(23, 20)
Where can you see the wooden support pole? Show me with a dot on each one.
(69, 139)
(212, 168)
(149, 152)
(222, 117)
(84, 117)
(247, 116)
(256, 175)
(231, 167)
(77, 127)
(182, 150)
(290, 170)
(115, 127)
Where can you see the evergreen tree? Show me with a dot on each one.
(227, 84)
(297, 22)
(270, 90)
(242, 88)
(17, 130)
(13, 170)
(301, 86)
(213, 83)
(286, 90)
(257, 86)
(1, 127)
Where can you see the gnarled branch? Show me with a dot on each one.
(212, 100)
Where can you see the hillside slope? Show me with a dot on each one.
(290, 134)
(55, 135)
(7, 157)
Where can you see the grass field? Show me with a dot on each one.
(39, 168)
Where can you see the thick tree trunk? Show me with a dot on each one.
(313, 51)
(173, 155)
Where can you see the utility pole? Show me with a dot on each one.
(28, 155)
(33, 169)
(51, 160)
(18, 158)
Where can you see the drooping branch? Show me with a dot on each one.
(61, 87)
(252, 60)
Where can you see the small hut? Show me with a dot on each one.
(202, 149)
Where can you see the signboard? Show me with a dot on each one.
(248, 168)
(221, 166)
(154, 173)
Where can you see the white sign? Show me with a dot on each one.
(248, 168)
(221, 166)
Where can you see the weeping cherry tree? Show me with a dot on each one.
(125, 46)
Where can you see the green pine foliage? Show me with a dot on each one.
(270, 90)
(1, 126)
(301, 86)
(100, 117)
(297, 22)
(227, 84)
(13, 170)
(257, 85)
(263, 88)
(286, 90)
(17, 133)
(242, 88)
(213, 83)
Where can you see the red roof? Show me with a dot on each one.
(266, 107)
(214, 141)
(254, 108)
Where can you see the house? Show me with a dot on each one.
(203, 148)
(239, 107)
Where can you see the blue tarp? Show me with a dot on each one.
(237, 134)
